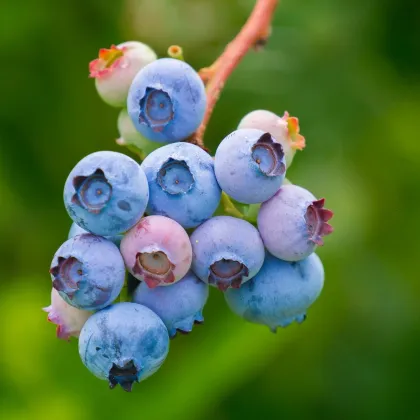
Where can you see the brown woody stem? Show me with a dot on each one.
(254, 33)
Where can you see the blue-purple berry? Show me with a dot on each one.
(123, 344)
(250, 165)
(226, 252)
(167, 100)
(77, 230)
(179, 306)
(182, 184)
(106, 193)
(293, 222)
(280, 293)
(88, 272)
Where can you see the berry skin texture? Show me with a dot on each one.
(157, 250)
(69, 320)
(123, 344)
(167, 100)
(77, 230)
(226, 252)
(116, 67)
(249, 166)
(285, 130)
(280, 293)
(179, 306)
(182, 184)
(293, 222)
(106, 193)
(88, 272)
(130, 136)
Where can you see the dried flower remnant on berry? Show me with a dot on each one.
(296, 140)
(108, 60)
(316, 220)
(268, 154)
(92, 192)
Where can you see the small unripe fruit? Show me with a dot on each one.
(285, 130)
(130, 136)
(116, 67)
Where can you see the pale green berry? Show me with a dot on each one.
(130, 136)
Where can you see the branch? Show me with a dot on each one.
(252, 35)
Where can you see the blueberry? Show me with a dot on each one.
(157, 250)
(106, 193)
(77, 230)
(280, 293)
(284, 130)
(182, 184)
(167, 100)
(124, 343)
(250, 166)
(226, 252)
(293, 222)
(88, 272)
(69, 320)
(179, 306)
(115, 68)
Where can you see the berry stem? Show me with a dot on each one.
(229, 208)
(253, 34)
(124, 295)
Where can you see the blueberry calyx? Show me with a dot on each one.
(67, 275)
(175, 177)
(269, 155)
(227, 273)
(155, 268)
(156, 109)
(316, 218)
(125, 376)
(92, 192)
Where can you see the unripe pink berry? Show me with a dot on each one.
(157, 250)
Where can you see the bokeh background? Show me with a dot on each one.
(350, 72)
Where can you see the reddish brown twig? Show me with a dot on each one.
(253, 34)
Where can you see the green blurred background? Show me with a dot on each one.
(350, 72)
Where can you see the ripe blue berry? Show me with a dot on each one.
(115, 68)
(157, 250)
(167, 100)
(88, 272)
(106, 193)
(280, 293)
(226, 252)
(182, 184)
(124, 343)
(293, 222)
(250, 165)
(179, 306)
(284, 130)
(77, 230)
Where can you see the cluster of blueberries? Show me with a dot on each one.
(169, 222)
